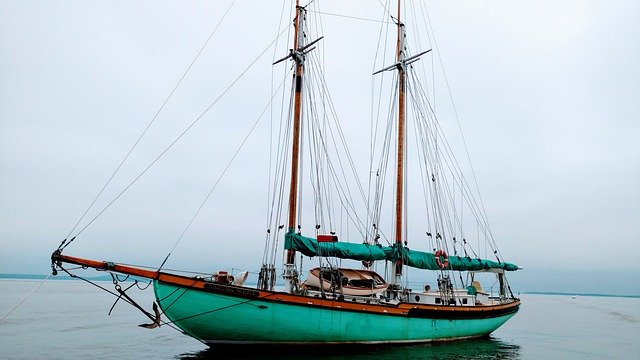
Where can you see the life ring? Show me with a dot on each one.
(440, 255)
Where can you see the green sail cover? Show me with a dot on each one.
(417, 259)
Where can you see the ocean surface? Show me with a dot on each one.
(70, 320)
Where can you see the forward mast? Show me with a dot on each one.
(298, 55)
(401, 66)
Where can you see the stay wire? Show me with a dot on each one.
(271, 138)
(166, 100)
(481, 202)
(373, 129)
(345, 192)
(348, 16)
(25, 298)
(224, 171)
(176, 139)
(452, 164)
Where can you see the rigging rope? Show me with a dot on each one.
(224, 171)
(348, 16)
(419, 97)
(175, 140)
(444, 215)
(25, 298)
(375, 215)
(484, 216)
(346, 198)
(269, 216)
(166, 100)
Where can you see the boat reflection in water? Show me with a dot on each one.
(481, 348)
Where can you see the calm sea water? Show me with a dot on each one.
(69, 320)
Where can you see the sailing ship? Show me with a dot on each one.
(359, 292)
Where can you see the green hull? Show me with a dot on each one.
(221, 318)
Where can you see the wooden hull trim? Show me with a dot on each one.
(403, 309)
(200, 284)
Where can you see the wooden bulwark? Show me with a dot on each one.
(200, 284)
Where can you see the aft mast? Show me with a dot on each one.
(401, 65)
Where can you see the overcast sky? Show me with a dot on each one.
(548, 94)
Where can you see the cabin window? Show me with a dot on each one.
(464, 301)
(365, 283)
(417, 298)
(438, 300)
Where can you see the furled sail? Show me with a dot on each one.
(413, 258)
